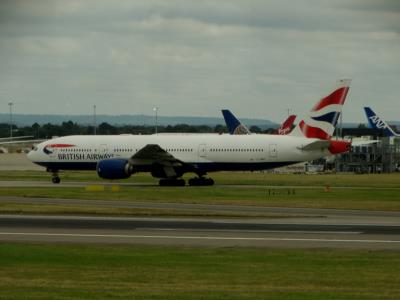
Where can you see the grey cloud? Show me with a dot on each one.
(256, 57)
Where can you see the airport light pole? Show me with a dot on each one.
(94, 120)
(155, 109)
(288, 111)
(11, 121)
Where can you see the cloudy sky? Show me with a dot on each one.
(256, 57)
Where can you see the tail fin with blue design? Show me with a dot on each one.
(233, 124)
(321, 121)
(375, 122)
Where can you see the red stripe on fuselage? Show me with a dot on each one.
(60, 145)
(337, 97)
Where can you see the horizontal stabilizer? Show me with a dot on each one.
(364, 143)
(316, 145)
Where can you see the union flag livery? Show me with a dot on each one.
(322, 119)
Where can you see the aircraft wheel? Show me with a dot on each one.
(200, 181)
(192, 181)
(181, 182)
(56, 180)
(172, 182)
(209, 181)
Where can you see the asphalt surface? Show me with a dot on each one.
(296, 228)
(269, 233)
(17, 161)
(308, 214)
(49, 184)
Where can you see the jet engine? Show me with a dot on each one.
(114, 169)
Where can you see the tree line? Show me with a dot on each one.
(48, 130)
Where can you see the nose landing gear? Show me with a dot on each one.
(54, 176)
(55, 179)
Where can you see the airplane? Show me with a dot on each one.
(19, 140)
(6, 139)
(236, 127)
(168, 157)
(377, 123)
(233, 124)
(286, 126)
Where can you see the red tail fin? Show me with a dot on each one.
(286, 126)
(321, 121)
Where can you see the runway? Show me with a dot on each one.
(309, 215)
(63, 184)
(17, 161)
(193, 232)
(288, 228)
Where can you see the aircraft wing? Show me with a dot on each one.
(153, 154)
(316, 145)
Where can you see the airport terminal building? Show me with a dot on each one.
(380, 157)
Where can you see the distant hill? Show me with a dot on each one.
(26, 120)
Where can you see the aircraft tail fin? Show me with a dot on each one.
(286, 126)
(233, 124)
(321, 121)
(376, 122)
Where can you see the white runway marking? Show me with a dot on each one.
(254, 231)
(196, 237)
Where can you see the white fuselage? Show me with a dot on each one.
(209, 152)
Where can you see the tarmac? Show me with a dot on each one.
(296, 228)
(300, 228)
(17, 162)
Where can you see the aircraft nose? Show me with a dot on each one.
(33, 155)
(30, 155)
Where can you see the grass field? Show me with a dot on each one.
(133, 272)
(347, 191)
(341, 198)
(242, 178)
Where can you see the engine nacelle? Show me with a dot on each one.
(114, 169)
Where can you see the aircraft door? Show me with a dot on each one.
(103, 149)
(273, 150)
(202, 150)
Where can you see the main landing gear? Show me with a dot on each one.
(54, 176)
(171, 182)
(197, 181)
(201, 181)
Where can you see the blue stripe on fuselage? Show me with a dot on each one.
(203, 167)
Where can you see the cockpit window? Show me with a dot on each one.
(34, 148)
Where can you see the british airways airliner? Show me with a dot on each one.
(168, 157)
